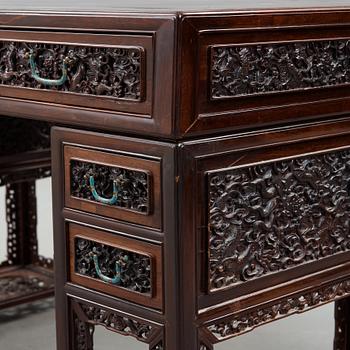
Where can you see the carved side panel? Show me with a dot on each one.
(135, 269)
(238, 70)
(133, 186)
(271, 217)
(114, 72)
(247, 320)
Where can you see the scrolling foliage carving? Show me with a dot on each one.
(101, 71)
(238, 70)
(87, 316)
(250, 319)
(274, 216)
(117, 323)
(133, 185)
(135, 273)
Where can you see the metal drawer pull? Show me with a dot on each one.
(100, 199)
(114, 280)
(48, 82)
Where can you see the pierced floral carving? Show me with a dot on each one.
(133, 186)
(83, 335)
(250, 319)
(274, 216)
(238, 70)
(135, 271)
(117, 323)
(102, 71)
(87, 316)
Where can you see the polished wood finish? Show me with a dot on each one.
(158, 152)
(93, 67)
(181, 106)
(151, 167)
(204, 115)
(143, 248)
(247, 158)
(153, 115)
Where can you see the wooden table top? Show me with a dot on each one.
(162, 6)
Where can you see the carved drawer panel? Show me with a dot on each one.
(116, 265)
(94, 71)
(253, 72)
(113, 185)
(271, 217)
(247, 70)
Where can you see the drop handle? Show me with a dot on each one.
(44, 81)
(112, 280)
(109, 201)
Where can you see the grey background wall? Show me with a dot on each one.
(32, 327)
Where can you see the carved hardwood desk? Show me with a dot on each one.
(200, 161)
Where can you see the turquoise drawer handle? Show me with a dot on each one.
(100, 199)
(48, 82)
(117, 278)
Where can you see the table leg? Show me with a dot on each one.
(342, 324)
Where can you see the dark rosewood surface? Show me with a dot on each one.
(135, 269)
(179, 75)
(127, 187)
(168, 5)
(265, 68)
(103, 71)
(134, 265)
(271, 217)
(132, 185)
(211, 148)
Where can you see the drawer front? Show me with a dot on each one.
(254, 73)
(113, 185)
(272, 211)
(268, 218)
(261, 68)
(94, 71)
(116, 265)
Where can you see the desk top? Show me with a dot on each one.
(174, 68)
(162, 6)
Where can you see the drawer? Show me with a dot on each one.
(113, 185)
(264, 69)
(116, 265)
(273, 211)
(87, 70)
(102, 71)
